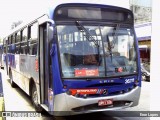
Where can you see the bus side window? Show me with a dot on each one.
(4, 45)
(17, 44)
(24, 42)
(33, 39)
(12, 47)
(9, 44)
(33, 48)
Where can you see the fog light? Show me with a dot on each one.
(126, 104)
(85, 95)
(69, 92)
(77, 95)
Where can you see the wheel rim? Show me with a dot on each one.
(35, 97)
(143, 77)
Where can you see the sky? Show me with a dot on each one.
(16, 10)
(7, 13)
(145, 3)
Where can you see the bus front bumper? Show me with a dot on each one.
(65, 104)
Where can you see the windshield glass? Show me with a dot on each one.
(96, 51)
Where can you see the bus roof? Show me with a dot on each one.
(117, 3)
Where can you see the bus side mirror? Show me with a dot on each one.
(50, 33)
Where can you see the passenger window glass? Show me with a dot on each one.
(33, 32)
(9, 40)
(13, 38)
(18, 37)
(24, 34)
(24, 45)
(17, 44)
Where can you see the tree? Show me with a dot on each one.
(15, 24)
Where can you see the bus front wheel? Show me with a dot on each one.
(34, 98)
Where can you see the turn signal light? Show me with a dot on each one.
(69, 92)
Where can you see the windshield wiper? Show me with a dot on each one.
(115, 36)
(111, 45)
(88, 35)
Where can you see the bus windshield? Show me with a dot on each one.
(96, 50)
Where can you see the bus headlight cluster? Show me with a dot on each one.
(85, 95)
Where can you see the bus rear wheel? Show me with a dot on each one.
(34, 98)
(11, 79)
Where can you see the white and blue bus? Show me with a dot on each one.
(1, 55)
(78, 58)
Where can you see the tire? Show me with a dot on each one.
(11, 79)
(148, 78)
(144, 77)
(34, 97)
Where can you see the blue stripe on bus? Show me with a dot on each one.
(57, 83)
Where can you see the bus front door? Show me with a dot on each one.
(44, 66)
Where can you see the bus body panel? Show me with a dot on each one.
(70, 103)
(3, 60)
(138, 56)
(1, 55)
(127, 81)
(57, 85)
(23, 69)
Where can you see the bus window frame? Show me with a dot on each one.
(18, 42)
(34, 40)
(24, 41)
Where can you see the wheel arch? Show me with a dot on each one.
(31, 83)
(9, 69)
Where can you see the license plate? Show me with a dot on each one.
(105, 102)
